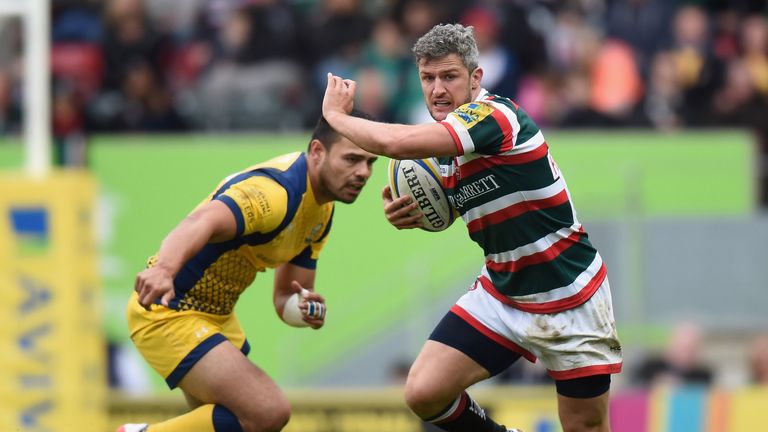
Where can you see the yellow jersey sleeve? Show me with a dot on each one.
(258, 203)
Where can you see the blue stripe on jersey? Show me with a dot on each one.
(235, 211)
(293, 179)
(193, 270)
(304, 259)
(327, 227)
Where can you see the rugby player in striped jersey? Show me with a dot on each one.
(543, 292)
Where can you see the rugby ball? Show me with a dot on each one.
(420, 178)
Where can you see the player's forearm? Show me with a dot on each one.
(371, 136)
(285, 275)
(397, 141)
(181, 244)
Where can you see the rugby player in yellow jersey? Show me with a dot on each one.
(181, 317)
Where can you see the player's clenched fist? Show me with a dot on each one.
(153, 283)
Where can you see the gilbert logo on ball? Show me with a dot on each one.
(420, 179)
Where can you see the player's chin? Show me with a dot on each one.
(348, 195)
(440, 112)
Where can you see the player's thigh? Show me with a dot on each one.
(225, 376)
(574, 343)
(441, 371)
(584, 414)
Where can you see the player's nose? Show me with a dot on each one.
(363, 171)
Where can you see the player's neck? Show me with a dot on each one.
(316, 189)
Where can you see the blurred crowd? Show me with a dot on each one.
(167, 65)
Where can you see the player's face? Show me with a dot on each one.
(447, 84)
(344, 170)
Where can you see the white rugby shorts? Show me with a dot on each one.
(575, 343)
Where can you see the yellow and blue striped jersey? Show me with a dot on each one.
(278, 221)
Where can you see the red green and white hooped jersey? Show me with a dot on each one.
(517, 207)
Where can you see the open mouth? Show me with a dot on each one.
(355, 187)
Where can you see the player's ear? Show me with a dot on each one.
(316, 150)
(475, 77)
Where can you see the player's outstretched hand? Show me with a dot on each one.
(154, 283)
(312, 306)
(402, 212)
(339, 96)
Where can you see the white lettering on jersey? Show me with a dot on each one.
(553, 167)
(473, 190)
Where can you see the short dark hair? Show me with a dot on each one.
(327, 136)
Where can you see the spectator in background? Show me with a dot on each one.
(572, 47)
(340, 31)
(256, 79)
(10, 114)
(231, 64)
(10, 66)
(501, 72)
(725, 37)
(738, 103)
(520, 36)
(129, 40)
(754, 44)
(643, 24)
(147, 103)
(698, 72)
(129, 37)
(680, 364)
(70, 147)
(663, 100)
(758, 360)
(384, 65)
(615, 83)
(415, 18)
(76, 21)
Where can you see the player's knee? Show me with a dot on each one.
(421, 398)
(269, 416)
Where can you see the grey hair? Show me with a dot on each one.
(445, 39)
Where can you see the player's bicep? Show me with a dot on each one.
(421, 141)
(478, 128)
(217, 219)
